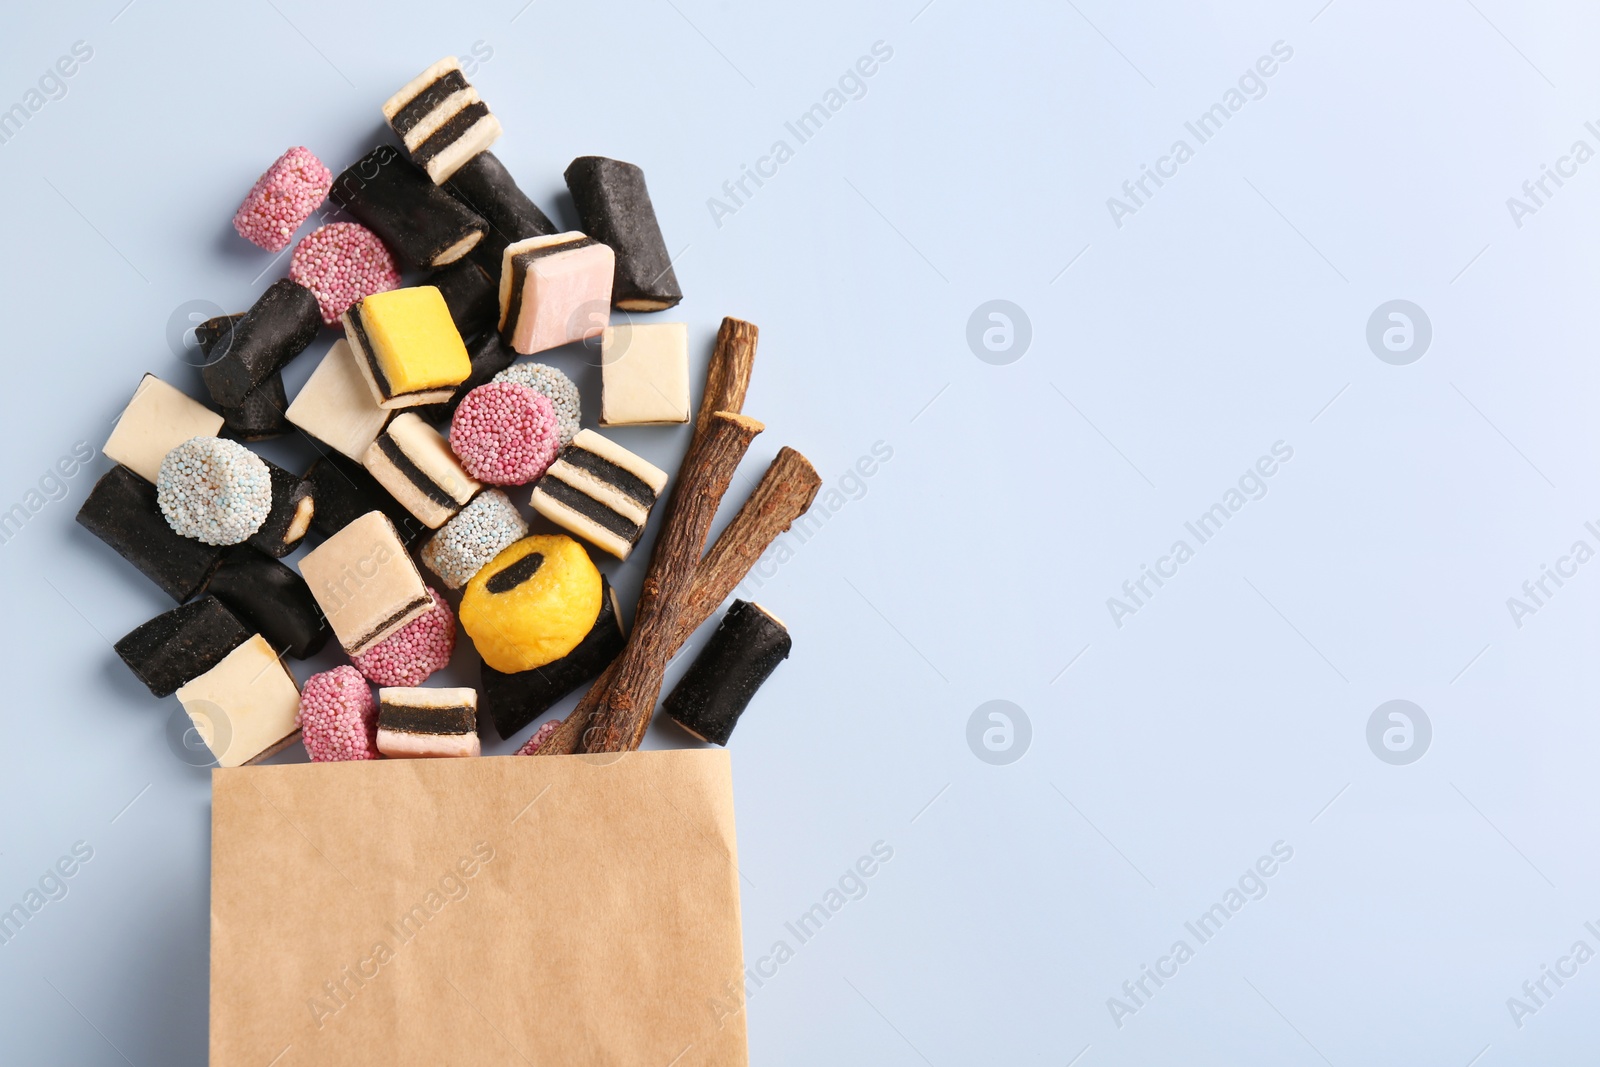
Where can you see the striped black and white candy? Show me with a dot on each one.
(601, 492)
(441, 119)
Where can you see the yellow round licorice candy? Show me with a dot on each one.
(532, 604)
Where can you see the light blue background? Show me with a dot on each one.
(1228, 314)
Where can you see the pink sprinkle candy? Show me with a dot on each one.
(338, 718)
(283, 198)
(540, 736)
(415, 651)
(505, 433)
(341, 263)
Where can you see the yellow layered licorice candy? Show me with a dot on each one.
(407, 346)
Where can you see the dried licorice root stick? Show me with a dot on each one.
(702, 479)
(784, 494)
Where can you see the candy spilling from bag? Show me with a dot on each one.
(427, 426)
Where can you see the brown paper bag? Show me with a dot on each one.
(501, 910)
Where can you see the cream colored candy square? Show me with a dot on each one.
(244, 708)
(336, 407)
(158, 419)
(644, 376)
(365, 582)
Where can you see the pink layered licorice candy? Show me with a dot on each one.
(282, 198)
(554, 289)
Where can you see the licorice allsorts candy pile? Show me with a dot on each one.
(439, 274)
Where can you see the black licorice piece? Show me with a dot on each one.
(215, 335)
(615, 207)
(489, 356)
(344, 492)
(471, 295)
(293, 507)
(261, 414)
(273, 599)
(484, 185)
(747, 646)
(278, 327)
(421, 223)
(180, 645)
(515, 700)
(121, 510)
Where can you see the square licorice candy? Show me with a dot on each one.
(601, 492)
(644, 374)
(365, 582)
(244, 708)
(414, 462)
(407, 346)
(441, 119)
(336, 406)
(553, 290)
(158, 419)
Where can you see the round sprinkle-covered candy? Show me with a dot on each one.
(504, 434)
(283, 198)
(540, 736)
(214, 491)
(554, 387)
(341, 263)
(413, 652)
(475, 536)
(532, 604)
(338, 718)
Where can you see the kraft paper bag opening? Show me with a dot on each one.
(499, 910)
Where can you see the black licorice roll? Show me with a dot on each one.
(484, 185)
(489, 356)
(273, 599)
(515, 700)
(261, 414)
(293, 507)
(344, 492)
(615, 207)
(470, 294)
(216, 334)
(747, 647)
(180, 645)
(121, 510)
(421, 223)
(278, 327)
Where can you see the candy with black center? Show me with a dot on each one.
(414, 462)
(420, 223)
(365, 583)
(336, 406)
(272, 599)
(182, 644)
(533, 603)
(470, 294)
(407, 347)
(158, 419)
(344, 492)
(122, 511)
(441, 119)
(289, 519)
(615, 207)
(245, 707)
(416, 722)
(554, 290)
(743, 652)
(278, 327)
(485, 185)
(515, 700)
(601, 492)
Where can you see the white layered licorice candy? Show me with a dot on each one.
(441, 119)
(418, 722)
(601, 492)
(414, 462)
(245, 707)
(335, 405)
(158, 419)
(644, 374)
(365, 583)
